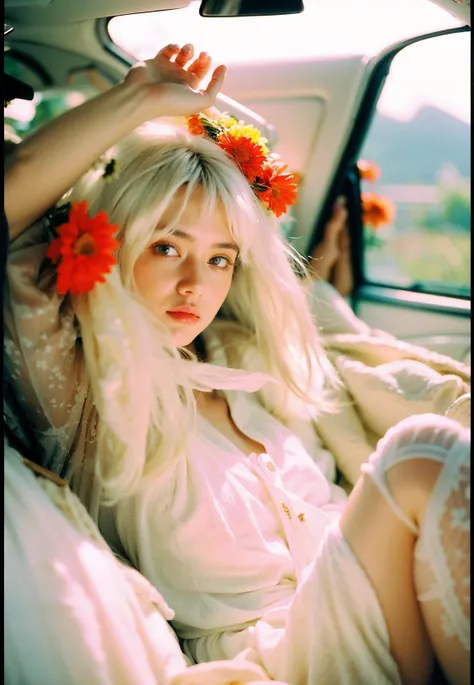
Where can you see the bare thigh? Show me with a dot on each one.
(385, 549)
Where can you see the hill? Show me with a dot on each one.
(414, 151)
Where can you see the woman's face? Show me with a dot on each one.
(184, 277)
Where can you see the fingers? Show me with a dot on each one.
(335, 225)
(340, 209)
(200, 66)
(168, 51)
(216, 82)
(184, 55)
(344, 240)
(339, 216)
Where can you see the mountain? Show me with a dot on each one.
(414, 151)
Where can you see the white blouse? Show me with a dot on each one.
(223, 536)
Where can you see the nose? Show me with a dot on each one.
(191, 281)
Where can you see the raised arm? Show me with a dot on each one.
(47, 163)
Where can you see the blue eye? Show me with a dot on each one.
(221, 262)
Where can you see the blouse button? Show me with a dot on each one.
(286, 509)
(267, 467)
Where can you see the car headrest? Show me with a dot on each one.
(14, 88)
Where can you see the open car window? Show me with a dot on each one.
(419, 140)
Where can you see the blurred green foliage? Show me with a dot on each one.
(440, 260)
(451, 213)
(46, 108)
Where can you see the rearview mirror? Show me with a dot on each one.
(249, 8)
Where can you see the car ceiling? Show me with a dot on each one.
(34, 12)
(31, 12)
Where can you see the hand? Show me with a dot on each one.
(335, 241)
(47, 163)
(171, 87)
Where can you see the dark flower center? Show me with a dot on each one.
(242, 156)
(85, 245)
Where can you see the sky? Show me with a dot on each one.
(430, 73)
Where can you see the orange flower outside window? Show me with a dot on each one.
(84, 249)
(368, 170)
(377, 210)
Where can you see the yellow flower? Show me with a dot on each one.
(226, 120)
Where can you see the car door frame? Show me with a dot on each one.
(346, 181)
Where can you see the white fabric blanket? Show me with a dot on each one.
(384, 380)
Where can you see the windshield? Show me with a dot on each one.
(325, 28)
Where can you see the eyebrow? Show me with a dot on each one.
(221, 246)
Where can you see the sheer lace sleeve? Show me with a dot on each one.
(43, 357)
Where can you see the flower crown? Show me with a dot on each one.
(84, 247)
(248, 148)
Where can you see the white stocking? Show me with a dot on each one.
(442, 552)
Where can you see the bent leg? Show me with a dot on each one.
(385, 547)
(398, 523)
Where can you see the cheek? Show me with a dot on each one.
(149, 279)
(220, 291)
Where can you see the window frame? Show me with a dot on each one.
(346, 181)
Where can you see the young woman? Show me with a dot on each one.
(166, 393)
(73, 613)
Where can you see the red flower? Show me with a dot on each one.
(84, 249)
(276, 190)
(248, 155)
(377, 210)
(194, 125)
(368, 171)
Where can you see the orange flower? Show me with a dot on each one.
(194, 125)
(377, 210)
(276, 190)
(84, 249)
(248, 155)
(368, 170)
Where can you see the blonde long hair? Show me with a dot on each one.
(142, 388)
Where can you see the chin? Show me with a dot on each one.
(182, 340)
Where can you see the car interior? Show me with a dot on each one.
(319, 111)
(322, 108)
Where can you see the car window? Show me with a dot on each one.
(24, 116)
(419, 147)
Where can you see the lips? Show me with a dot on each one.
(185, 314)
